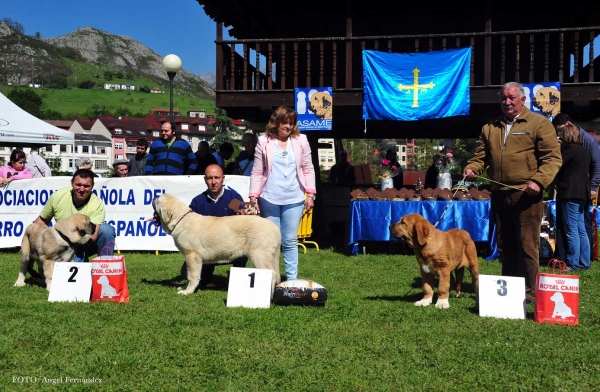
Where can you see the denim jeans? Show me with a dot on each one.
(287, 218)
(106, 238)
(577, 242)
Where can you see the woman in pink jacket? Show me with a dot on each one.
(283, 181)
(15, 170)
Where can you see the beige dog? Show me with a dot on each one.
(209, 240)
(438, 253)
(321, 104)
(547, 100)
(45, 245)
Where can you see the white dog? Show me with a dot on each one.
(560, 308)
(107, 289)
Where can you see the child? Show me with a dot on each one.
(15, 170)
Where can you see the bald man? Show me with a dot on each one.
(214, 201)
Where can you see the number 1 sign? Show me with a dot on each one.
(249, 287)
(71, 282)
(501, 296)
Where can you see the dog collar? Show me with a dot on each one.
(183, 216)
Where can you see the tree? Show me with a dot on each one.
(38, 35)
(57, 81)
(14, 24)
(108, 75)
(50, 114)
(54, 163)
(27, 100)
(223, 129)
(87, 84)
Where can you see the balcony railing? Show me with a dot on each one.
(527, 56)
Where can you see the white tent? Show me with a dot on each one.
(19, 127)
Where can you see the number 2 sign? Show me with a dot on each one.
(249, 287)
(501, 296)
(71, 282)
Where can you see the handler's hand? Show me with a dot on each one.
(309, 203)
(532, 188)
(593, 195)
(469, 174)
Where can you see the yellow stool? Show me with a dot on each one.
(305, 230)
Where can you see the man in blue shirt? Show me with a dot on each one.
(591, 145)
(214, 202)
(170, 155)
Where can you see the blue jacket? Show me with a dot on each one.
(203, 205)
(175, 160)
(591, 145)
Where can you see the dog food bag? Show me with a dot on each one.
(557, 298)
(109, 279)
(300, 292)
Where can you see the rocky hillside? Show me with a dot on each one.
(100, 47)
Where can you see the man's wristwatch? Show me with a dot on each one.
(312, 196)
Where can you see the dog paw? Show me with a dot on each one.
(19, 284)
(442, 304)
(183, 292)
(424, 302)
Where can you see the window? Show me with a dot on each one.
(101, 164)
(3, 148)
(85, 149)
(155, 133)
(118, 131)
(63, 148)
(330, 159)
(403, 149)
(409, 149)
(201, 128)
(143, 133)
(118, 146)
(322, 159)
(403, 158)
(87, 131)
(70, 163)
(190, 138)
(184, 125)
(101, 150)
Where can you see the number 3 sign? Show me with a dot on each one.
(501, 296)
(71, 282)
(249, 287)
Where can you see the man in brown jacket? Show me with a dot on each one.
(522, 156)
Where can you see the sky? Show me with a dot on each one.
(167, 27)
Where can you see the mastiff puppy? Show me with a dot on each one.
(438, 253)
(210, 240)
(45, 245)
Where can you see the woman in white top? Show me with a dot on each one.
(283, 180)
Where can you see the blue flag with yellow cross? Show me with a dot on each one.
(416, 86)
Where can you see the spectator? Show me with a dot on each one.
(214, 201)
(225, 152)
(137, 163)
(397, 176)
(85, 163)
(170, 155)
(121, 168)
(37, 166)
(204, 157)
(522, 156)
(432, 172)
(591, 145)
(15, 170)
(342, 172)
(79, 199)
(283, 181)
(573, 194)
(245, 160)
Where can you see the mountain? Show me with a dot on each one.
(210, 78)
(36, 59)
(100, 47)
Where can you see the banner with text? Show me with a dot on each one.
(128, 203)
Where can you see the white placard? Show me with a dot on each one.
(71, 282)
(249, 287)
(501, 296)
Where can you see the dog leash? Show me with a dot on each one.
(499, 183)
(448, 205)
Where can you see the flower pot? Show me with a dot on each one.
(444, 180)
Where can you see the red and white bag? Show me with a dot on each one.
(109, 279)
(557, 297)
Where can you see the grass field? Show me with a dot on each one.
(368, 337)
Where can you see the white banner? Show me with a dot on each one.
(128, 203)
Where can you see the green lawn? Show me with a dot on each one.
(368, 337)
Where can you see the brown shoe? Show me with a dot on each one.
(530, 298)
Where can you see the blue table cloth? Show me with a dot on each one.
(370, 220)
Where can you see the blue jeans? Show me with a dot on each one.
(287, 218)
(577, 241)
(106, 238)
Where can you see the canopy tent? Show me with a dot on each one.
(19, 127)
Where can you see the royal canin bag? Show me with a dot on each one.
(557, 297)
(109, 278)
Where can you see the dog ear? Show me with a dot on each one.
(554, 99)
(422, 230)
(326, 102)
(73, 229)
